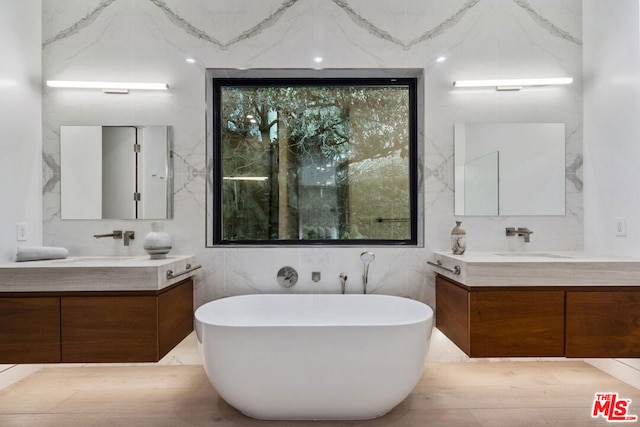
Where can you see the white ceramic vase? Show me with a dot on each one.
(158, 242)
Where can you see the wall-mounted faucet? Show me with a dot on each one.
(117, 234)
(520, 231)
(343, 281)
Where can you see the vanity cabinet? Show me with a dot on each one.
(490, 322)
(539, 321)
(112, 326)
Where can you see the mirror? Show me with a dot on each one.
(509, 169)
(116, 172)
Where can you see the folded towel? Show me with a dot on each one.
(40, 253)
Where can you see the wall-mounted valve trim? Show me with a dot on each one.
(287, 277)
(129, 235)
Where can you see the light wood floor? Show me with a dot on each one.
(533, 393)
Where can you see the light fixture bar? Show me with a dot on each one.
(117, 91)
(107, 85)
(514, 82)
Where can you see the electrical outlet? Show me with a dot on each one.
(21, 232)
(315, 276)
(621, 226)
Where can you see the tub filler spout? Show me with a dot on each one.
(343, 281)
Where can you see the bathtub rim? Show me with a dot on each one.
(381, 321)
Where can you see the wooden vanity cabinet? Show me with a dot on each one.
(127, 326)
(511, 321)
(494, 322)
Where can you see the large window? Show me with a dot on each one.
(314, 161)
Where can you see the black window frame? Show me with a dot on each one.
(216, 171)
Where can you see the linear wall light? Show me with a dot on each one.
(513, 84)
(108, 87)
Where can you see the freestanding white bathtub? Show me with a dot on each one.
(314, 357)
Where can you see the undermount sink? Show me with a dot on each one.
(532, 254)
(95, 259)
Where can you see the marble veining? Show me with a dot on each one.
(427, 35)
(267, 22)
(287, 34)
(202, 35)
(190, 171)
(179, 21)
(571, 173)
(545, 23)
(80, 24)
(54, 172)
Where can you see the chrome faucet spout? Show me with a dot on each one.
(117, 234)
(343, 281)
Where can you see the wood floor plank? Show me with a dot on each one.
(469, 393)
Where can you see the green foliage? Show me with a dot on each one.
(265, 129)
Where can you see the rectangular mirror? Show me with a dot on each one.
(509, 169)
(116, 172)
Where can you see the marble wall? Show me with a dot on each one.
(149, 40)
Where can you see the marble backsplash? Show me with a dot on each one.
(149, 40)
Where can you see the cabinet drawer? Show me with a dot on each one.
(603, 324)
(516, 323)
(109, 329)
(30, 330)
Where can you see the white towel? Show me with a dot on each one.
(27, 253)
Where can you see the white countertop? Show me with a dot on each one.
(94, 273)
(545, 268)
